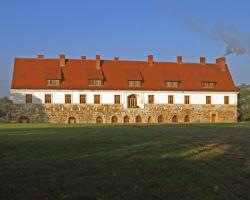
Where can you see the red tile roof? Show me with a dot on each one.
(133, 75)
(31, 73)
(53, 72)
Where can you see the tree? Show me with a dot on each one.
(244, 102)
(4, 106)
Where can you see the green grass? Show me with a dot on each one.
(198, 161)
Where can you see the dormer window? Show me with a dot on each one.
(52, 82)
(134, 77)
(135, 83)
(172, 84)
(53, 75)
(95, 82)
(209, 84)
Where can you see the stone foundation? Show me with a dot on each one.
(82, 113)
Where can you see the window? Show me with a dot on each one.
(226, 99)
(172, 83)
(208, 99)
(186, 99)
(52, 82)
(47, 98)
(209, 84)
(82, 98)
(132, 101)
(67, 98)
(97, 99)
(117, 99)
(95, 82)
(134, 83)
(28, 98)
(150, 99)
(170, 99)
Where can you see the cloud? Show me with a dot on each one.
(235, 42)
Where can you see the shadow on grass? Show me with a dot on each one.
(125, 162)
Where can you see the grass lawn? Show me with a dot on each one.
(196, 161)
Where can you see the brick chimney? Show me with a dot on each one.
(222, 63)
(179, 59)
(151, 60)
(116, 58)
(202, 60)
(62, 60)
(83, 57)
(40, 56)
(98, 62)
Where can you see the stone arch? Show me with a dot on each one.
(160, 119)
(126, 119)
(23, 119)
(187, 118)
(71, 120)
(150, 120)
(114, 120)
(175, 119)
(99, 120)
(138, 119)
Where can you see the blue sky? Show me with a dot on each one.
(130, 29)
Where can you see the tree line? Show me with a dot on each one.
(243, 103)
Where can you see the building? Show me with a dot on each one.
(62, 90)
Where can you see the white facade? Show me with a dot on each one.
(18, 96)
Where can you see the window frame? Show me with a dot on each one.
(151, 99)
(172, 84)
(135, 83)
(82, 98)
(226, 100)
(95, 82)
(47, 97)
(68, 98)
(98, 96)
(28, 98)
(117, 99)
(170, 99)
(187, 99)
(208, 100)
(51, 82)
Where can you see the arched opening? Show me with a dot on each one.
(174, 119)
(187, 119)
(114, 120)
(72, 120)
(138, 119)
(150, 120)
(24, 119)
(213, 118)
(99, 120)
(126, 119)
(160, 119)
(132, 101)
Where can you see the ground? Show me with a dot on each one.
(196, 161)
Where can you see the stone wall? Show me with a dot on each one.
(60, 113)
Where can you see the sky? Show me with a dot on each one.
(130, 29)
